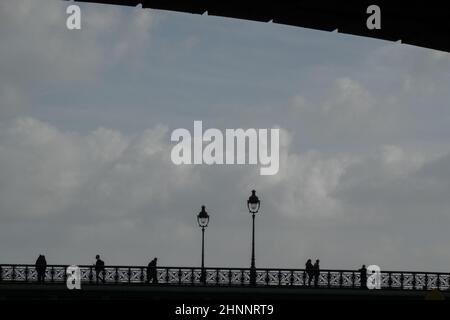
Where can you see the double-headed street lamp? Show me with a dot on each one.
(203, 220)
(253, 205)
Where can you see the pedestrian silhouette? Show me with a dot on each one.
(363, 276)
(152, 272)
(99, 269)
(308, 272)
(316, 272)
(41, 267)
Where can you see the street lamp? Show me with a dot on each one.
(203, 220)
(253, 205)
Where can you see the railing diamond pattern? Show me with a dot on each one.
(395, 280)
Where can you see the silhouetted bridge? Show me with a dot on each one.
(227, 277)
(420, 23)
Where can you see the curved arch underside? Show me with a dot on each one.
(419, 23)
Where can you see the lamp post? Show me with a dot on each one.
(203, 220)
(253, 205)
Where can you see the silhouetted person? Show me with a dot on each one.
(309, 269)
(152, 272)
(363, 275)
(41, 266)
(99, 268)
(316, 272)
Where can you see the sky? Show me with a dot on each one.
(86, 117)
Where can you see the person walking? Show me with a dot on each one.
(152, 271)
(99, 269)
(316, 272)
(363, 276)
(41, 267)
(309, 271)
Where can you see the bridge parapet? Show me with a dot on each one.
(191, 276)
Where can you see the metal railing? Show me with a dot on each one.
(189, 276)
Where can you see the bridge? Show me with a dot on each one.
(217, 285)
(419, 23)
(227, 277)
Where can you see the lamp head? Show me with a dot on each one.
(203, 218)
(253, 203)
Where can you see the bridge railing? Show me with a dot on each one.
(192, 276)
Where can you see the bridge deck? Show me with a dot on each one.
(198, 293)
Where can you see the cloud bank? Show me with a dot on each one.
(85, 123)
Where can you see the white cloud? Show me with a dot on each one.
(345, 108)
(306, 184)
(400, 162)
(349, 99)
(46, 171)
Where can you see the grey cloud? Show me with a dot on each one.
(39, 54)
(364, 154)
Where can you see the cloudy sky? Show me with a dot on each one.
(86, 118)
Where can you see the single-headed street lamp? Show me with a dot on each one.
(203, 220)
(253, 205)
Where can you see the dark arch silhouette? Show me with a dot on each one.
(420, 23)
